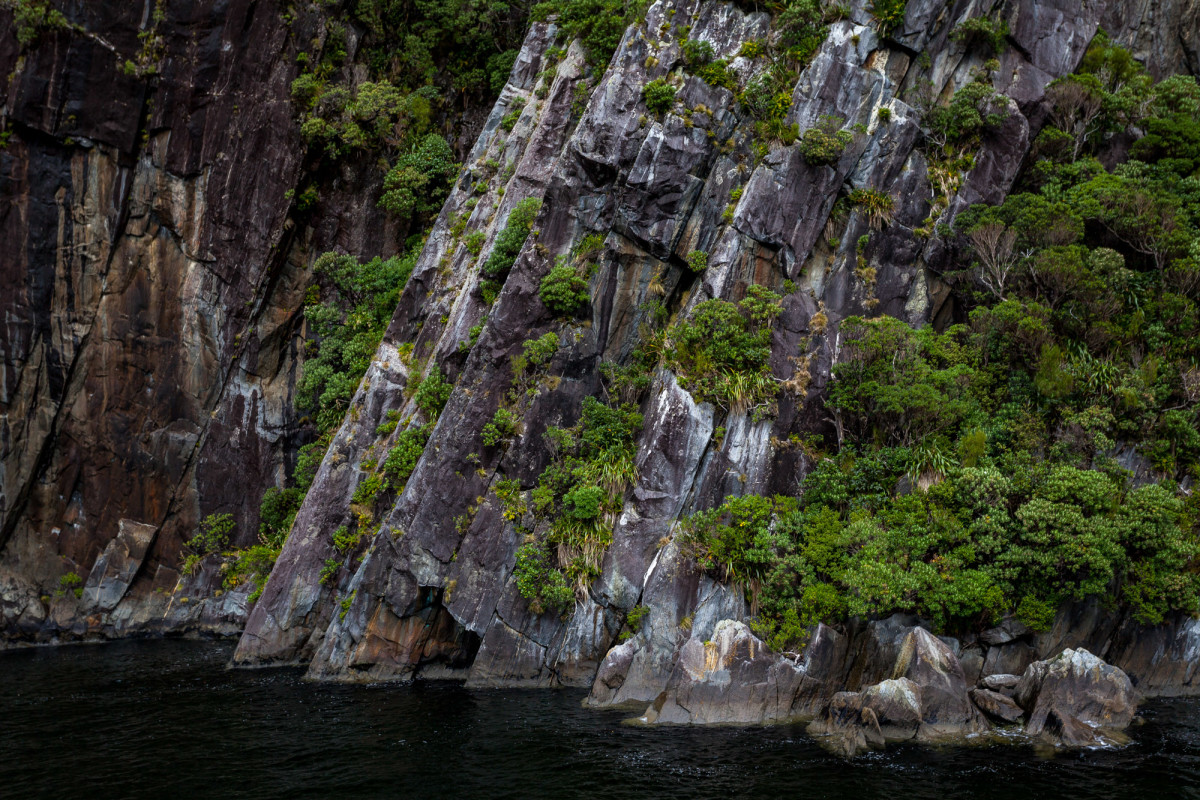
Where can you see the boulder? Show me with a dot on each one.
(946, 710)
(1004, 684)
(732, 679)
(997, 706)
(895, 705)
(1076, 700)
(925, 700)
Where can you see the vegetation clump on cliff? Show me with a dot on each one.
(578, 497)
(1030, 455)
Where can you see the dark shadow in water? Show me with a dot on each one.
(166, 720)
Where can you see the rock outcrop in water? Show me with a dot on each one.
(152, 342)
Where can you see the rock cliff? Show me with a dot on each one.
(152, 340)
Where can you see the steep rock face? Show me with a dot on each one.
(150, 346)
(153, 287)
(655, 189)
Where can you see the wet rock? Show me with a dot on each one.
(999, 707)
(116, 567)
(874, 651)
(1076, 699)
(731, 679)
(926, 699)
(946, 710)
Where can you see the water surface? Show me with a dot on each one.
(165, 719)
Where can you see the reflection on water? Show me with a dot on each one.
(166, 719)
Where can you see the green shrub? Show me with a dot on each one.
(215, 534)
(276, 513)
(581, 491)
(70, 583)
(986, 34)
(597, 24)
(696, 53)
(539, 581)
(432, 394)
(721, 351)
(403, 456)
(659, 96)
(31, 17)
(540, 351)
(510, 119)
(254, 564)
(329, 571)
(344, 540)
(512, 238)
(633, 621)
(802, 29)
(367, 489)
(502, 427)
(697, 261)
(563, 290)
(359, 299)
(965, 118)
(825, 143)
(420, 180)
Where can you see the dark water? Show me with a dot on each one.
(166, 720)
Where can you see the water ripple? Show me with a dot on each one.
(165, 719)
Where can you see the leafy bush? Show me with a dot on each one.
(973, 109)
(215, 534)
(697, 261)
(659, 96)
(581, 491)
(802, 29)
(539, 581)
(420, 180)
(896, 385)
(348, 325)
(512, 238)
(721, 351)
(254, 564)
(696, 52)
(367, 489)
(502, 427)
(538, 352)
(597, 24)
(403, 456)
(70, 583)
(982, 32)
(329, 571)
(563, 290)
(432, 394)
(510, 119)
(825, 143)
(276, 513)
